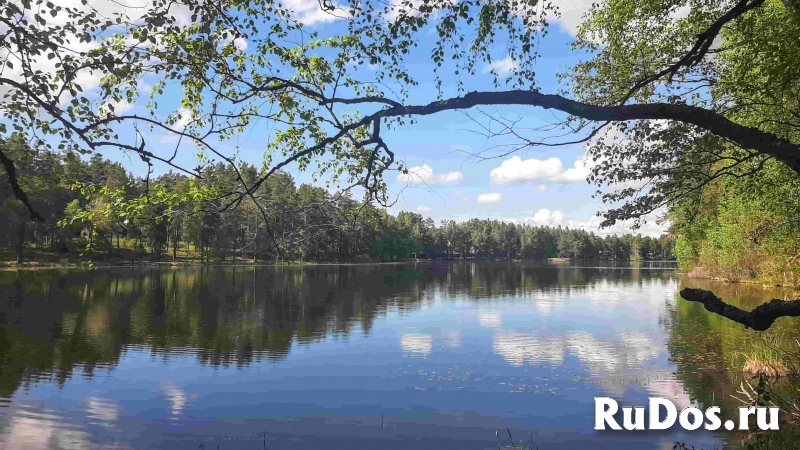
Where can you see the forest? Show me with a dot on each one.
(685, 109)
(682, 111)
(307, 223)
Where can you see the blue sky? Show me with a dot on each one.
(543, 185)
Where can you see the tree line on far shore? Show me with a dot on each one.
(79, 200)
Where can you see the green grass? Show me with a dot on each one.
(771, 356)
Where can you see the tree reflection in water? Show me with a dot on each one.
(613, 327)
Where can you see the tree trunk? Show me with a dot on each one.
(20, 241)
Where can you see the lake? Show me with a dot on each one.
(424, 355)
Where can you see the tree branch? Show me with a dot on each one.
(8, 165)
(699, 50)
(759, 319)
(711, 121)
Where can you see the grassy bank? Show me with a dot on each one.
(704, 273)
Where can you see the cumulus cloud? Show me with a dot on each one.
(518, 171)
(502, 67)
(425, 175)
(572, 12)
(88, 79)
(240, 43)
(423, 209)
(186, 118)
(493, 197)
(310, 13)
(398, 8)
(543, 188)
(546, 217)
(144, 88)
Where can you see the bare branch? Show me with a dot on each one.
(759, 319)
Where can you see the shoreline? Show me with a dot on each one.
(697, 274)
(10, 266)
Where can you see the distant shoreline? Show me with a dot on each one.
(86, 264)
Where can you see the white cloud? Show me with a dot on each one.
(425, 175)
(502, 67)
(493, 197)
(518, 171)
(546, 217)
(423, 209)
(399, 8)
(144, 88)
(572, 12)
(182, 15)
(186, 117)
(240, 43)
(309, 12)
(649, 228)
(543, 188)
(119, 108)
(131, 11)
(87, 79)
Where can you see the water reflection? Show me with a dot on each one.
(135, 358)
(518, 349)
(104, 411)
(417, 344)
(32, 429)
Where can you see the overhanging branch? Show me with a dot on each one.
(759, 319)
(711, 121)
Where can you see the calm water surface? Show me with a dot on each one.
(423, 356)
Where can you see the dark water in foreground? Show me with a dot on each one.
(422, 356)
